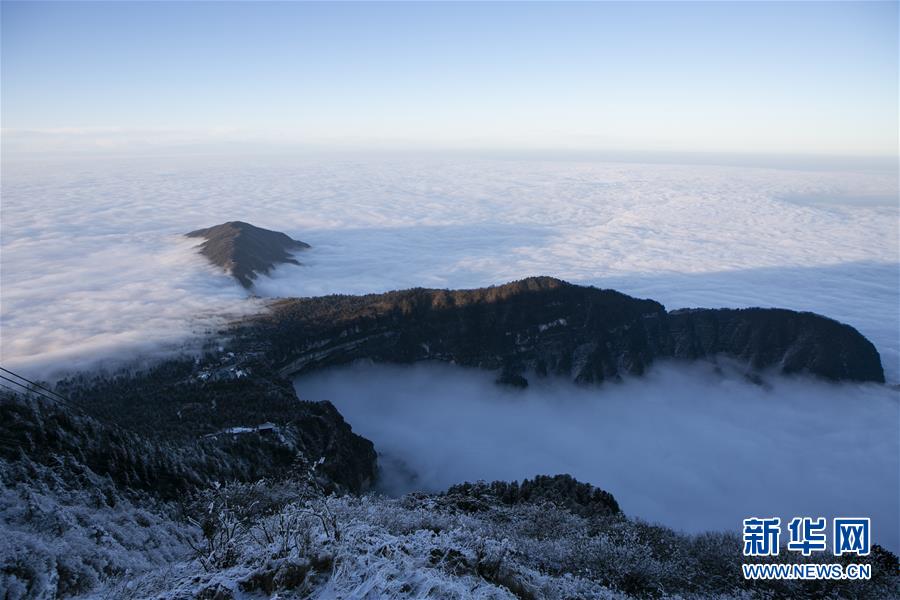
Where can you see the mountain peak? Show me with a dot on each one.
(245, 250)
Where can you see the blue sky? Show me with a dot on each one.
(696, 77)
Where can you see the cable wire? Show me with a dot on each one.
(52, 399)
(37, 385)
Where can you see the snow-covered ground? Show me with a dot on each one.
(93, 265)
(461, 546)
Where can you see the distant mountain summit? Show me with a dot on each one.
(245, 250)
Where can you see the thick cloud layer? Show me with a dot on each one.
(684, 446)
(93, 266)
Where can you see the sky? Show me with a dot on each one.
(785, 78)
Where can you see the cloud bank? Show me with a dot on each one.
(93, 266)
(682, 446)
(93, 269)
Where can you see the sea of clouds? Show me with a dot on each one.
(94, 270)
(685, 446)
(93, 266)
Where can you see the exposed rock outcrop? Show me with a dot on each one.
(548, 326)
(245, 250)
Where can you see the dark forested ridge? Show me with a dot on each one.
(547, 326)
(233, 414)
(206, 477)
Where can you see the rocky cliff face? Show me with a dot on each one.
(548, 326)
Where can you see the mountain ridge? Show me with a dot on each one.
(548, 326)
